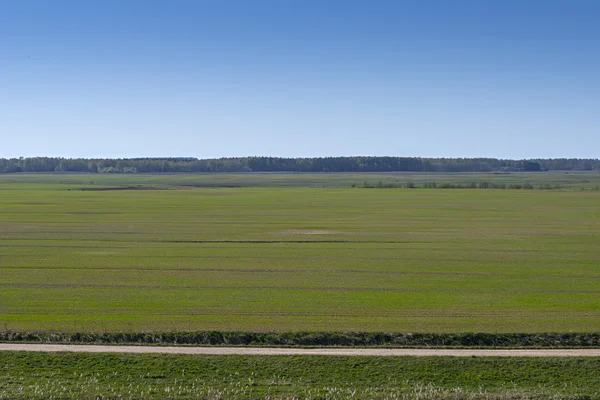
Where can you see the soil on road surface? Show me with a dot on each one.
(299, 351)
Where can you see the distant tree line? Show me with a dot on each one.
(278, 164)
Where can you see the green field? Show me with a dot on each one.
(289, 259)
(564, 180)
(108, 376)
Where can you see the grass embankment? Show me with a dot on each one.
(319, 339)
(103, 376)
(280, 259)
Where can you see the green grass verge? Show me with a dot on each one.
(353, 339)
(111, 376)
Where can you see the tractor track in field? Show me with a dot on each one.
(50, 348)
(264, 287)
(287, 270)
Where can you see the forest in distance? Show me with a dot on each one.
(280, 164)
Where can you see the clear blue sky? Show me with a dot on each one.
(215, 78)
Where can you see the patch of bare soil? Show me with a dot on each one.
(302, 232)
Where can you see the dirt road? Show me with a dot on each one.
(298, 351)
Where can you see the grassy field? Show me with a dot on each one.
(565, 180)
(104, 376)
(289, 259)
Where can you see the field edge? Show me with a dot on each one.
(315, 339)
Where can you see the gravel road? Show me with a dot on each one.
(299, 351)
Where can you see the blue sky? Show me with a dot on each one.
(217, 78)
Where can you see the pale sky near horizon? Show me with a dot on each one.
(219, 78)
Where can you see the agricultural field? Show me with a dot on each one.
(562, 180)
(297, 253)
